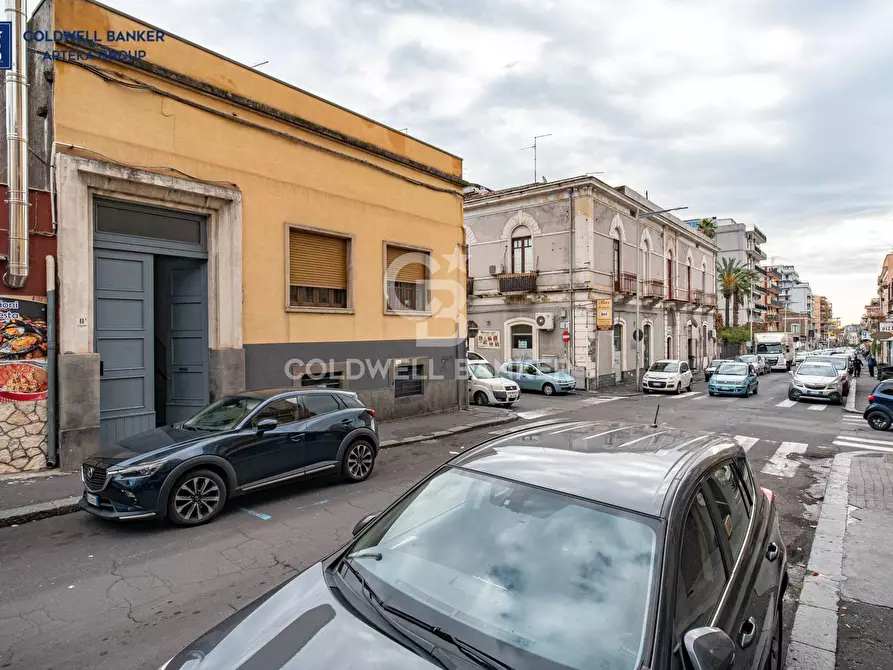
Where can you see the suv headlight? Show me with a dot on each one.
(142, 470)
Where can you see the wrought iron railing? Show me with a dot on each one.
(517, 282)
(625, 282)
(653, 288)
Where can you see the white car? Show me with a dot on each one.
(668, 375)
(485, 387)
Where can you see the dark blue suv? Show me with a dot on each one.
(879, 412)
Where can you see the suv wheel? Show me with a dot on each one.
(196, 498)
(879, 421)
(480, 398)
(358, 461)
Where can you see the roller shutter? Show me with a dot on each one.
(317, 260)
(411, 269)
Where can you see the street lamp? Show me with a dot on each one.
(639, 216)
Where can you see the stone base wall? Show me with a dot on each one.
(23, 436)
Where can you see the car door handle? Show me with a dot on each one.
(772, 552)
(748, 633)
(346, 422)
(296, 438)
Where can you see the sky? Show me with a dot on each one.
(772, 113)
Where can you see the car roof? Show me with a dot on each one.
(667, 360)
(265, 394)
(633, 467)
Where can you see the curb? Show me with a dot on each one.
(44, 510)
(851, 399)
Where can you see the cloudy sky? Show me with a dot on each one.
(773, 112)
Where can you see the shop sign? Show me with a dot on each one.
(23, 349)
(604, 315)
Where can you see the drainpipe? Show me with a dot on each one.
(52, 390)
(571, 358)
(17, 149)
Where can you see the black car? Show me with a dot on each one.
(240, 443)
(569, 546)
(879, 413)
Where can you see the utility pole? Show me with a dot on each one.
(533, 146)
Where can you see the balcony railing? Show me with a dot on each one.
(676, 294)
(709, 300)
(517, 282)
(625, 282)
(653, 288)
(697, 297)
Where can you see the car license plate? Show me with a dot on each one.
(813, 392)
(93, 500)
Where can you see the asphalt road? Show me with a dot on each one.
(76, 592)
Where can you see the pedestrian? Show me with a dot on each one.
(857, 366)
(871, 364)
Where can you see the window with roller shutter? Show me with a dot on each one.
(317, 269)
(407, 279)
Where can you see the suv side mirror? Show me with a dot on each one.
(266, 424)
(709, 649)
(362, 523)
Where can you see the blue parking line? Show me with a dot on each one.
(259, 515)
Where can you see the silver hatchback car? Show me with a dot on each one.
(818, 380)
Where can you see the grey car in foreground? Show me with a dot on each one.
(570, 546)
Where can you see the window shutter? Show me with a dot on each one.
(411, 269)
(317, 260)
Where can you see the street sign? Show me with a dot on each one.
(638, 335)
(604, 315)
(562, 325)
(882, 335)
(565, 337)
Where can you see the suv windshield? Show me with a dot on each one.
(839, 362)
(481, 370)
(816, 370)
(532, 578)
(223, 414)
(733, 369)
(664, 367)
(769, 348)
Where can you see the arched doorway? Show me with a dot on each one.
(669, 346)
(618, 352)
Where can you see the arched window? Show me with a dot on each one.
(522, 250)
(688, 278)
(645, 252)
(669, 346)
(704, 278)
(670, 274)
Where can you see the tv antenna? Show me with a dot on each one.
(259, 64)
(533, 146)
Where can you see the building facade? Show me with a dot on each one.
(742, 244)
(541, 256)
(218, 229)
(770, 280)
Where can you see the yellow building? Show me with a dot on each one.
(220, 229)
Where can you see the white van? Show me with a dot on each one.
(485, 387)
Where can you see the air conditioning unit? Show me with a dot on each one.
(545, 321)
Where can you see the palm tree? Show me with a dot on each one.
(727, 273)
(708, 227)
(743, 287)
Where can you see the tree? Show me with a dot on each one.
(743, 287)
(727, 273)
(708, 227)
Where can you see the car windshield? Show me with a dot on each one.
(532, 578)
(816, 370)
(748, 359)
(545, 368)
(482, 370)
(733, 369)
(716, 364)
(223, 414)
(769, 348)
(664, 366)
(838, 362)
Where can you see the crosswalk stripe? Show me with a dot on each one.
(746, 442)
(853, 419)
(686, 396)
(787, 403)
(599, 401)
(817, 408)
(868, 447)
(701, 397)
(537, 413)
(867, 440)
(780, 465)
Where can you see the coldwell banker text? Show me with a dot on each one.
(93, 42)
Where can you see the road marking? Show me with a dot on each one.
(851, 397)
(780, 465)
(746, 442)
(687, 396)
(858, 445)
(259, 515)
(537, 413)
(701, 397)
(817, 408)
(866, 440)
(787, 403)
(526, 426)
(598, 401)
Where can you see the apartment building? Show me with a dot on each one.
(741, 243)
(542, 256)
(770, 280)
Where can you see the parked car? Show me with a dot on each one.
(473, 356)
(485, 387)
(668, 375)
(879, 413)
(814, 379)
(538, 376)
(712, 366)
(647, 542)
(843, 365)
(800, 356)
(186, 472)
(735, 378)
(758, 362)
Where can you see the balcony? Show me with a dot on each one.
(678, 295)
(697, 297)
(517, 282)
(709, 300)
(625, 282)
(653, 288)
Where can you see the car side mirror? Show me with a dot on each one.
(709, 649)
(266, 424)
(362, 523)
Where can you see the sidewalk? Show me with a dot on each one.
(860, 389)
(29, 497)
(843, 617)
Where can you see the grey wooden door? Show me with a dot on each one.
(186, 288)
(123, 328)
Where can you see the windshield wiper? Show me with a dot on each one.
(376, 555)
